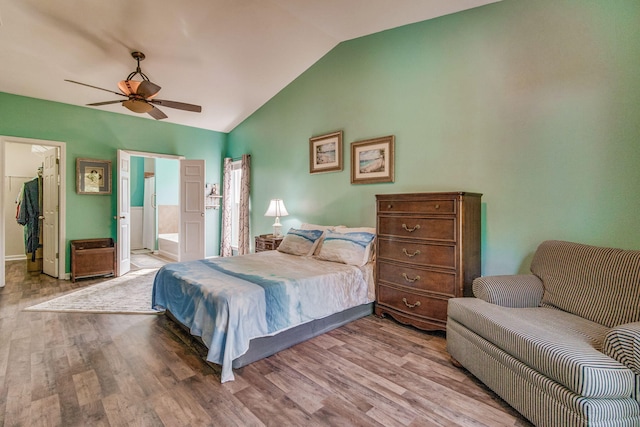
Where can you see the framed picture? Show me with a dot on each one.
(325, 153)
(93, 176)
(372, 160)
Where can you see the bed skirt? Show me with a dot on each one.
(262, 347)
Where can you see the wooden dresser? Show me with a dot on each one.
(428, 251)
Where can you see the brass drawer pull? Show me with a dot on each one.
(410, 255)
(417, 304)
(411, 230)
(409, 279)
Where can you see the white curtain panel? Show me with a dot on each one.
(243, 238)
(225, 242)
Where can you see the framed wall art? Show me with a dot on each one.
(325, 153)
(372, 160)
(93, 176)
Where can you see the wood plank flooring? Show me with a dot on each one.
(78, 369)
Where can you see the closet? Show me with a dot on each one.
(31, 206)
(28, 215)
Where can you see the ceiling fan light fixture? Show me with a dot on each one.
(138, 106)
(128, 87)
(140, 94)
(132, 87)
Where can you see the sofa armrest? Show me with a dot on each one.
(622, 343)
(520, 290)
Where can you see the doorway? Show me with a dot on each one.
(42, 164)
(154, 207)
(191, 230)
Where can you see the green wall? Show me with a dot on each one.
(96, 134)
(137, 181)
(167, 182)
(534, 104)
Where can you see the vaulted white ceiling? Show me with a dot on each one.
(229, 56)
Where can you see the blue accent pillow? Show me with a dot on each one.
(353, 248)
(300, 242)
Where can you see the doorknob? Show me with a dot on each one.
(41, 217)
(119, 217)
(201, 213)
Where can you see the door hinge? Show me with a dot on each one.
(57, 255)
(57, 161)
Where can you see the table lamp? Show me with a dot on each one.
(277, 209)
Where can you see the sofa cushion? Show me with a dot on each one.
(517, 290)
(557, 344)
(599, 284)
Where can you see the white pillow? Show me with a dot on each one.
(306, 226)
(347, 247)
(344, 229)
(371, 249)
(300, 242)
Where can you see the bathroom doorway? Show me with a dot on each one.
(154, 209)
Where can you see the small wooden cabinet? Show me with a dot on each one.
(92, 257)
(428, 251)
(267, 242)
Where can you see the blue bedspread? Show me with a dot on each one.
(229, 301)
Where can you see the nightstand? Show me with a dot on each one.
(267, 242)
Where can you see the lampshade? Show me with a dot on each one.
(144, 88)
(138, 106)
(276, 208)
(128, 86)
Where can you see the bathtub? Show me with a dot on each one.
(168, 245)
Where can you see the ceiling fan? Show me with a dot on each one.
(141, 95)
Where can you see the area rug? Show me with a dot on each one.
(128, 294)
(146, 261)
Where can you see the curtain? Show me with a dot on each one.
(225, 242)
(243, 237)
(243, 220)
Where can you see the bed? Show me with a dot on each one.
(247, 307)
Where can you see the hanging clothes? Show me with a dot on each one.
(28, 215)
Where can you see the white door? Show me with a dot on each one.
(124, 212)
(50, 191)
(192, 233)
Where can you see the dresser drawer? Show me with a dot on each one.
(261, 245)
(266, 242)
(417, 206)
(417, 253)
(443, 229)
(418, 278)
(413, 303)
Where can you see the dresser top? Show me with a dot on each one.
(428, 194)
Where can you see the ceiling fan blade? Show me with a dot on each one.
(96, 104)
(177, 105)
(147, 89)
(157, 114)
(95, 87)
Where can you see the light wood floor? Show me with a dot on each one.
(71, 369)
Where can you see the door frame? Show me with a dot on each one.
(62, 199)
(146, 154)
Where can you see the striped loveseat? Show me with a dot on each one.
(561, 345)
